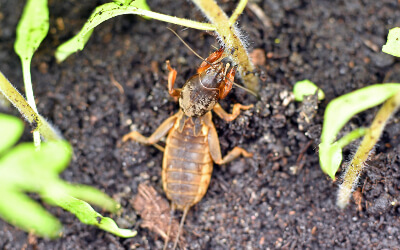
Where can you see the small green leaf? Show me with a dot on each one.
(305, 88)
(93, 196)
(11, 129)
(19, 210)
(34, 170)
(72, 45)
(330, 158)
(99, 15)
(392, 45)
(88, 215)
(332, 153)
(32, 28)
(339, 112)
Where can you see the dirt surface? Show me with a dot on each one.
(278, 199)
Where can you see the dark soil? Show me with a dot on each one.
(278, 199)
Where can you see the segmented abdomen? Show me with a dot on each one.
(187, 166)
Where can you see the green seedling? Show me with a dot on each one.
(32, 29)
(224, 26)
(339, 112)
(24, 169)
(306, 88)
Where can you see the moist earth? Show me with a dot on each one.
(280, 198)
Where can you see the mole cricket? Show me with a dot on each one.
(192, 144)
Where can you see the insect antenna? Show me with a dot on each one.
(187, 45)
(171, 215)
(185, 211)
(204, 60)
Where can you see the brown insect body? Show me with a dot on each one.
(187, 163)
(192, 144)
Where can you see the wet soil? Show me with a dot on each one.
(280, 198)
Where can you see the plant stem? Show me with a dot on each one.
(36, 120)
(176, 20)
(26, 63)
(370, 139)
(230, 37)
(238, 11)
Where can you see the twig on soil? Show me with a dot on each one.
(116, 83)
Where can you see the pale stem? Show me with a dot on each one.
(175, 20)
(370, 139)
(238, 11)
(29, 95)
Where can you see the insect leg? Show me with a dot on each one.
(235, 153)
(171, 81)
(235, 112)
(160, 132)
(215, 149)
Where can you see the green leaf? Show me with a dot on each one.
(117, 8)
(332, 154)
(18, 209)
(339, 112)
(88, 215)
(392, 45)
(141, 4)
(32, 28)
(99, 15)
(306, 88)
(11, 129)
(25, 169)
(34, 170)
(93, 196)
